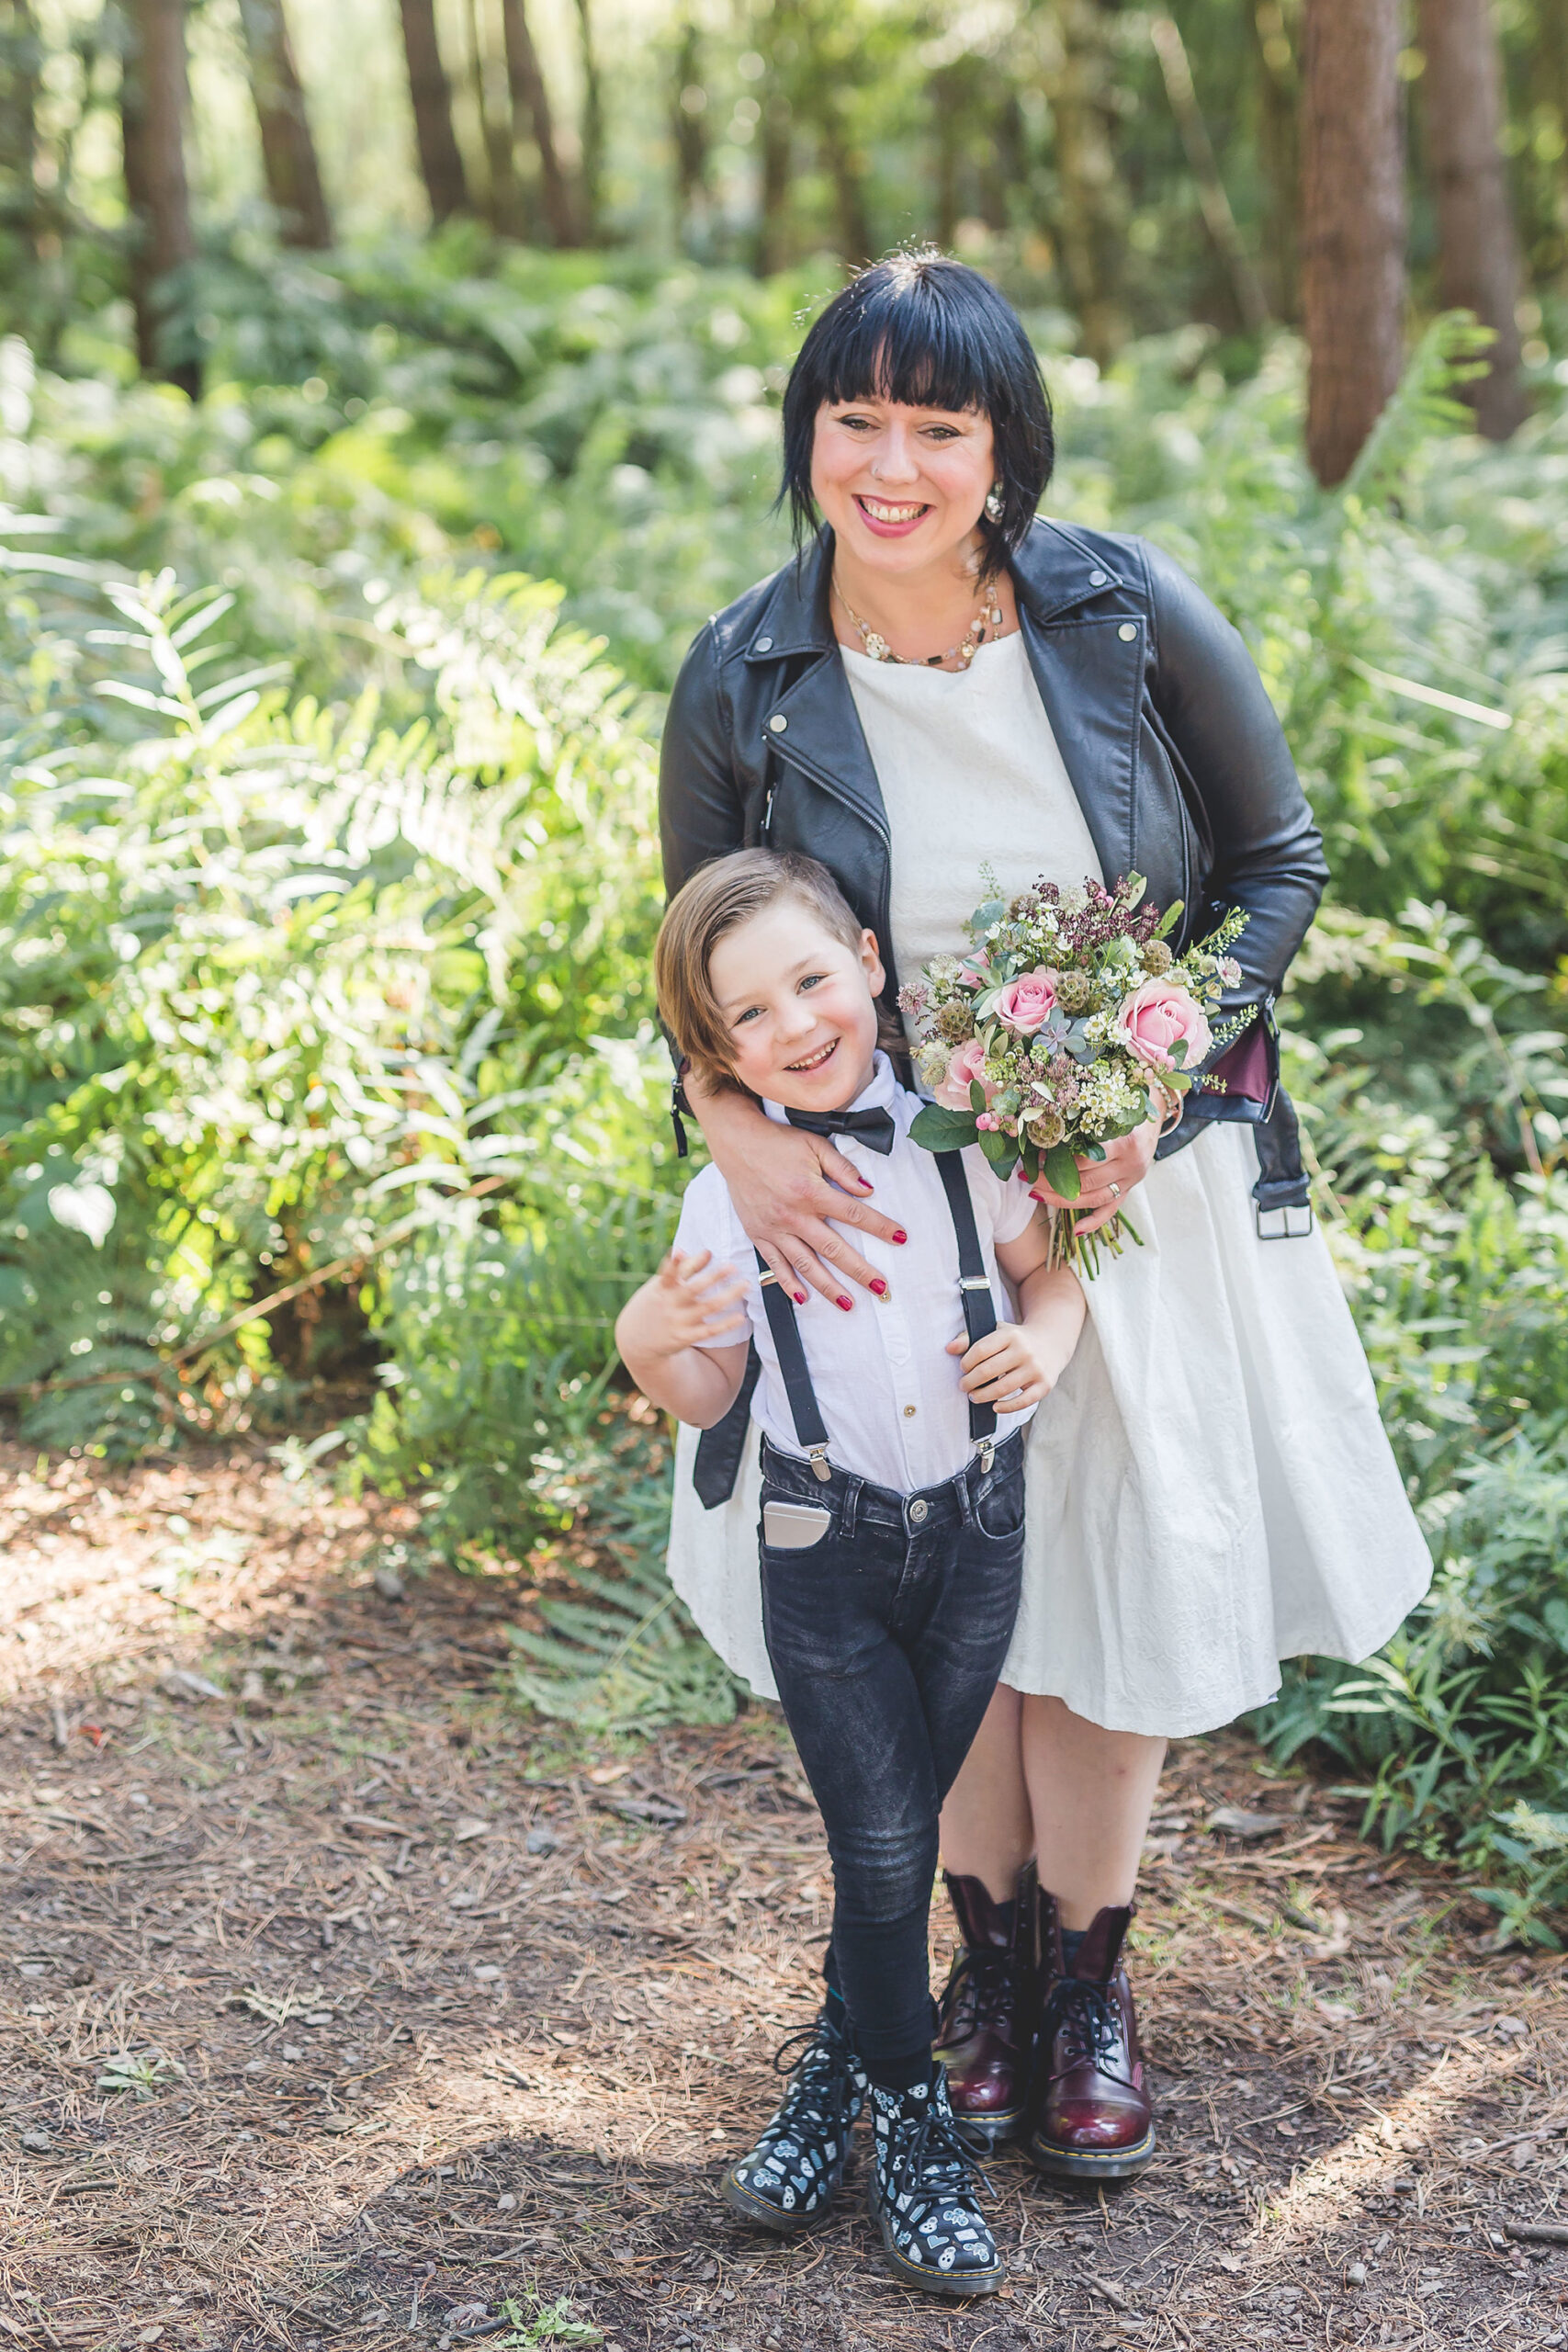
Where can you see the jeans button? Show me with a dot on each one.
(918, 1512)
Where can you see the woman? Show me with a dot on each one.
(942, 679)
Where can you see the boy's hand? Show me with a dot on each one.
(1008, 1368)
(692, 1304)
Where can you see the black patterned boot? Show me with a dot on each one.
(923, 2194)
(795, 2171)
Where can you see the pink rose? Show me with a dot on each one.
(967, 1067)
(1027, 1002)
(1158, 1017)
(975, 970)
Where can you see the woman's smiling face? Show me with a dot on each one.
(902, 487)
(799, 1006)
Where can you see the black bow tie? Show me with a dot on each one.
(874, 1128)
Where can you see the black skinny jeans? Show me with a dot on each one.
(886, 1637)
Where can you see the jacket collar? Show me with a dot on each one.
(1053, 571)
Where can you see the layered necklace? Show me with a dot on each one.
(986, 624)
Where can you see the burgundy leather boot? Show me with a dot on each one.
(984, 2016)
(1090, 2118)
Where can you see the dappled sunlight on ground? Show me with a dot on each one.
(340, 2003)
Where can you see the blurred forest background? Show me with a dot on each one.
(387, 389)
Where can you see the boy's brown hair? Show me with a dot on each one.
(718, 900)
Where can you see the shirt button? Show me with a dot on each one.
(1127, 632)
(1096, 579)
(909, 1412)
(778, 722)
(918, 1512)
(763, 645)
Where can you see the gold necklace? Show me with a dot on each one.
(988, 618)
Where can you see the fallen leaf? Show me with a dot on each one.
(471, 1826)
(1233, 1823)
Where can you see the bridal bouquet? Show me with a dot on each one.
(1066, 1023)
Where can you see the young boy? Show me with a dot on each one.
(892, 1509)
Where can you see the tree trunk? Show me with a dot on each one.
(19, 59)
(948, 112)
(530, 97)
(773, 188)
(505, 195)
(1352, 224)
(1278, 147)
(1175, 65)
(1478, 259)
(592, 127)
(846, 169)
(688, 123)
(440, 159)
(289, 152)
(154, 99)
(1091, 205)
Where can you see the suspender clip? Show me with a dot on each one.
(987, 1456)
(974, 1282)
(819, 1458)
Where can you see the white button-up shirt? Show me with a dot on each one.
(888, 1391)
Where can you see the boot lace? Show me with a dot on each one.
(930, 2166)
(814, 2053)
(1084, 2015)
(979, 1993)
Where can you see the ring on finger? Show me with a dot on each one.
(1115, 1192)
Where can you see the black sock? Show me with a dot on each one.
(900, 2074)
(834, 2004)
(1005, 1913)
(1072, 1944)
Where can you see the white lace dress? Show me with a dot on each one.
(1209, 1489)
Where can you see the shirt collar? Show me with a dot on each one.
(878, 1095)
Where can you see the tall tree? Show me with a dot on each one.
(688, 125)
(288, 152)
(1176, 66)
(1352, 224)
(440, 158)
(1079, 71)
(21, 57)
(154, 101)
(493, 107)
(593, 196)
(774, 180)
(1277, 144)
(531, 98)
(1478, 266)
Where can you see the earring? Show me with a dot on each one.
(994, 501)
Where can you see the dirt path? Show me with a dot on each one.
(338, 2009)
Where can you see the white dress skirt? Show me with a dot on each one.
(1209, 1488)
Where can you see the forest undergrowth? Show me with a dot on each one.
(329, 878)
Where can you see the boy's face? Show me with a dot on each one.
(799, 1006)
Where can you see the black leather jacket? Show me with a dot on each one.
(1171, 743)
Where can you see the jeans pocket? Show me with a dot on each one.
(998, 1508)
(790, 1526)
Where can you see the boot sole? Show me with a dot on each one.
(752, 2208)
(990, 2130)
(1077, 2164)
(959, 2284)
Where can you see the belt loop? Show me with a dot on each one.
(961, 1487)
(850, 1505)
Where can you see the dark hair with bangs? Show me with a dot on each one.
(926, 332)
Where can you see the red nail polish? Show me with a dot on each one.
(846, 1303)
(800, 1298)
(900, 1236)
(880, 1288)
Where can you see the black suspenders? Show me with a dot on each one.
(980, 1319)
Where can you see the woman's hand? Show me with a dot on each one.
(1108, 1181)
(785, 1184)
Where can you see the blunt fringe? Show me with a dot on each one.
(928, 332)
(717, 899)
